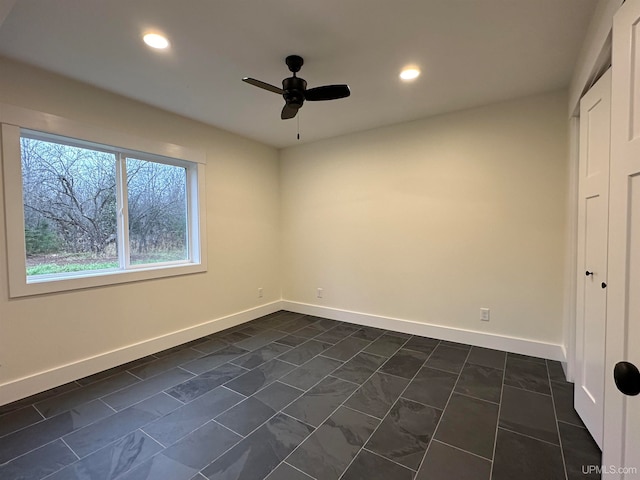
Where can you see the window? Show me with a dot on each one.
(93, 214)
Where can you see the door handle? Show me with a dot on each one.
(587, 273)
(627, 378)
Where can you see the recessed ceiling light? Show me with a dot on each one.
(155, 40)
(409, 73)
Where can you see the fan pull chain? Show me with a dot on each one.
(298, 118)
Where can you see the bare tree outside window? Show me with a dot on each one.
(71, 212)
(157, 197)
(69, 196)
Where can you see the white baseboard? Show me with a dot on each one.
(470, 337)
(41, 381)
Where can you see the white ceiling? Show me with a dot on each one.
(471, 52)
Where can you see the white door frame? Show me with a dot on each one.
(621, 437)
(594, 57)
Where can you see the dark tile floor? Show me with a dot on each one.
(294, 397)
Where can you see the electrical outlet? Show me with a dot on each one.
(260, 292)
(319, 293)
(484, 314)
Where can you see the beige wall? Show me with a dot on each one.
(431, 220)
(44, 332)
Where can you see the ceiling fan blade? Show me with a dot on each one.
(327, 92)
(289, 111)
(263, 85)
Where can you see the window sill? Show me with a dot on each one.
(39, 286)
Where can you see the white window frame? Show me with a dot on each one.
(15, 120)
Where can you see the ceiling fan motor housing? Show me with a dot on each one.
(294, 62)
(294, 88)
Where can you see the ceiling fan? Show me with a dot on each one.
(294, 89)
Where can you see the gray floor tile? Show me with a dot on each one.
(172, 427)
(262, 355)
(386, 345)
(345, 349)
(185, 458)
(480, 382)
(72, 399)
(258, 378)
(469, 424)
(338, 333)
(359, 368)
(377, 395)
(291, 340)
(38, 463)
(431, 387)
(324, 323)
(462, 346)
(278, 395)
(369, 466)
(305, 352)
(161, 365)
(246, 416)
(38, 397)
(405, 433)
(310, 373)
(201, 447)
(526, 358)
(250, 328)
(283, 317)
(260, 340)
(113, 460)
(406, 336)
(146, 388)
(404, 363)
(295, 325)
(38, 434)
(171, 350)
(487, 357)
(447, 358)
(581, 453)
(209, 362)
(287, 472)
(18, 419)
(444, 462)
(369, 333)
(422, 344)
(210, 346)
(556, 372)
(319, 402)
(528, 413)
(526, 458)
(261, 452)
(278, 318)
(563, 400)
(310, 331)
(101, 433)
(527, 375)
(205, 382)
(233, 337)
(329, 450)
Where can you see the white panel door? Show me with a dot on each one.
(621, 452)
(593, 225)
